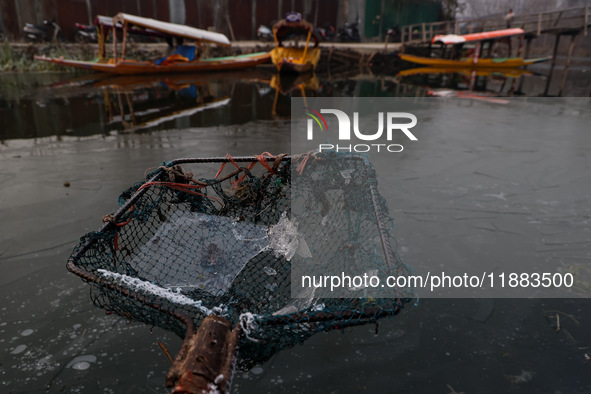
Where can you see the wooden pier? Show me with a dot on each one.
(567, 21)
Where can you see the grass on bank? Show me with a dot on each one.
(19, 57)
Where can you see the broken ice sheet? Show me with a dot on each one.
(285, 240)
(199, 251)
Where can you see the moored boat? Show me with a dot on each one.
(490, 50)
(185, 58)
(295, 59)
(467, 71)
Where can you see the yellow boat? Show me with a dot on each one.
(454, 55)
(294, 59)
(467, 71)
(511, 62)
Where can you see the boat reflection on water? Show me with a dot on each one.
(476, 83)
(291, 85)
(93, 104)
(140, 102)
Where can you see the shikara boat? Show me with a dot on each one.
(295, 59)
(185, 58)
(477, 50)
(467, 71)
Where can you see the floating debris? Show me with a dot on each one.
(81, 363)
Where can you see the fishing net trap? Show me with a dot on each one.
(214, 249)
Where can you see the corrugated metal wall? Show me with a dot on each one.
(398, 13)
(244, 16)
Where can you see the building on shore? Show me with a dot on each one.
(238, 19)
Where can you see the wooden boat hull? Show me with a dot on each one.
(127, 66)
(469, 62)
(467, 71)
(293, 59)
(288, 66)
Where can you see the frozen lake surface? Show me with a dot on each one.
(67, 153)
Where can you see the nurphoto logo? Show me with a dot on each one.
(348, 132)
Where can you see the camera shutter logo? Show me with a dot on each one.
(344, 129)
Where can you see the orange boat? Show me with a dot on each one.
(491, 49)
(185, 58)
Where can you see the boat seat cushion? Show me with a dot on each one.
(182, 53)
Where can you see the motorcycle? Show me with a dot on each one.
(49, 31)
(326, 32)
(350, 33)
(394, 34)
(85, 33)
(264, 33)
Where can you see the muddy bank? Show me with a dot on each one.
(19, 57)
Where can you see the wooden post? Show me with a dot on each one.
(89, 12)
(539, 31)
(552, 65)
(100, 33)
(472, 80)
(230, 26)
(520, 48)
(586, 21)
(558, 19)
(527, 42)
(124, 49)
(382, 9)
(114, 30)
(253, 19)
(279, 10)
(567, 65)
(316, 13)
(274, 109)
(476, 53)
(424, 29)
(130, 106)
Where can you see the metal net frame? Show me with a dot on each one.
(182, 250)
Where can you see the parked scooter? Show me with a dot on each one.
(49, 31)
(350, 33)
(326, 32)
(264, 33)
(85, 33)
(394, 34)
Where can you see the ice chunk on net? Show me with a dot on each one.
(199, 251)
(286, 241)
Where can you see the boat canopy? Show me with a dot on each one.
(284, 30)
(171, 29)
(106, 21)
(487, 35)
(102, 21)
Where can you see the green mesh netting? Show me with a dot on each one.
(195, 239)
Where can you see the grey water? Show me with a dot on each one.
(69, 144)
